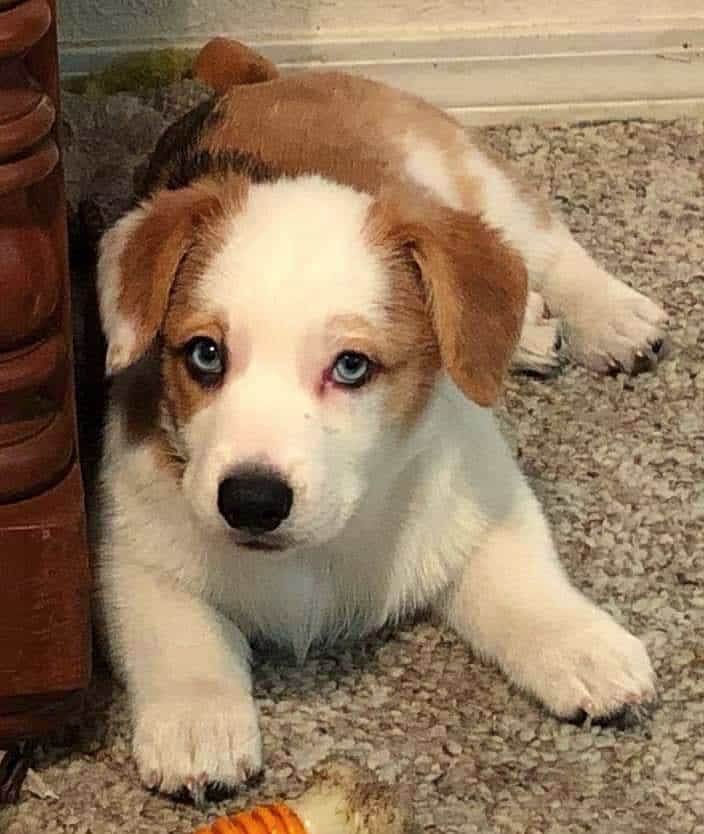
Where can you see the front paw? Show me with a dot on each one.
(585, 663)
(198, 736)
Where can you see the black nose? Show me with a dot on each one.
(255, 501)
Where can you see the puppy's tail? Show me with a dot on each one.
(223, 63)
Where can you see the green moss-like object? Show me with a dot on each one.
(136, 72)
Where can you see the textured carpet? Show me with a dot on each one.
(619, 466)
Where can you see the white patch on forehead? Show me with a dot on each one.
(295, 255)
(427, 165)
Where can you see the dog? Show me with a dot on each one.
(307, 316)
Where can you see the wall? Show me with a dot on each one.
(485, 60)
(262, 20)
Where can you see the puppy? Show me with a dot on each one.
(307, 316)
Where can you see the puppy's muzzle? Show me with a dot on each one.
(254, 501)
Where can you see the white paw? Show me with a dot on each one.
(539, 350)
(200, 734)
(584, 661)
(620, 331)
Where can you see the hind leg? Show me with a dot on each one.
(607, 325)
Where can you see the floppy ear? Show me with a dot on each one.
(139, 259)
(475, 285)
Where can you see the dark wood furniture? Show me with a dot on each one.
(44, 571)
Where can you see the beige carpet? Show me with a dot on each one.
(619, 465)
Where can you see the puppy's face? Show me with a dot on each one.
(302, 326)
(285, 383)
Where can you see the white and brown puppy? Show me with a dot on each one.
(306, 318)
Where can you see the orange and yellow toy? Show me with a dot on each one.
(340, 799)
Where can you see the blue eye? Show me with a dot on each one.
(204, 357)
(351, 369)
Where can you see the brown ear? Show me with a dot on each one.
(476, 288)
(139, 259)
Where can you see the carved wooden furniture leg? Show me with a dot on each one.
(44, 573)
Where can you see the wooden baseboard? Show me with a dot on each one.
(511, 74)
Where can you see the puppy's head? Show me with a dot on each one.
(299, 328)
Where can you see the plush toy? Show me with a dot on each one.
(339, 799)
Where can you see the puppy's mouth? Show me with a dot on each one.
(258, 544)
(265, 544)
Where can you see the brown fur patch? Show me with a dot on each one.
(139, 392)
(155, 251)
(346, 128)
(138, 395)
(406, 348)
(473, 289)
(410, 381)
(183, 396)
(355, 332)
(184, 320)
(350, 129)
